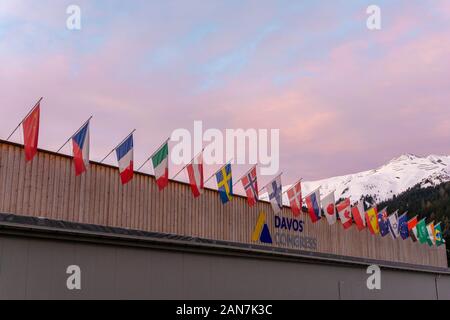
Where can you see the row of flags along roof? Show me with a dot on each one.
(376, 222)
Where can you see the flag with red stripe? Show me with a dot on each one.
(345, 214)
(195, 175)
(250, 183)
(295, 198)
(313, 205)
(124, 154)
(80, 146)
(358, 215)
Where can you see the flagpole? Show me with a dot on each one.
(157, 150)
(301, 179)
(187, 164)
(271, 182)
(37, 103)
(229, 162)
(318, 188)
(76, 132)
(118, 145)
(245, 175)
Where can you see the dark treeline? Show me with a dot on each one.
(432, 203)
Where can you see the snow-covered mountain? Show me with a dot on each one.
(393, 178)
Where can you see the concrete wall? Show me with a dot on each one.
(33, 268)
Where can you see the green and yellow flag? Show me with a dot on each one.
(422, 232)
(438, 235)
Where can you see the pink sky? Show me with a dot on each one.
(345, 98)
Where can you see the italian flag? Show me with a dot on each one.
(160, 162)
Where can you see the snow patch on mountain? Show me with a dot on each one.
(393, 178)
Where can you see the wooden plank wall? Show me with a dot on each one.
(47, 187)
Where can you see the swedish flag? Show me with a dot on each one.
(225, 183)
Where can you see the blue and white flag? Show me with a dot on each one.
(125, 158)
(276, 194)
(393, 225)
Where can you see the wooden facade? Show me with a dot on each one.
(47, 187)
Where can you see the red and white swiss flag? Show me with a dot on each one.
(195, 174)
(345, 213)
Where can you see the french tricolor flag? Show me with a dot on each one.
(80, 145)
(125, 158)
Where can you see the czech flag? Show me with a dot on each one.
(125, 158)
(80, 146)
(313, 204)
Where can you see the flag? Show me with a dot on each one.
(393, 225)
(403, 226)
(383, 222)
(422, 232)
(195, 174)
(250, 184)
(124, 154)
(276, 194)
(30, 127)
(345, 213)
(438, 235)
(358, 215)
(313, 204)
(412, 228)
(225, 183)
(80, 147)
(329, 208)
(295, 198)
(372, 220)
(160, 161)
(431, 239)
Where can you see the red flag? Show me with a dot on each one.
(195, 174)
(295, 199)
(250, 183)
(31, 133)
(358, 215)
(344, 211)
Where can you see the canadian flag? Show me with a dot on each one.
(358, 214)
(195, 174)
(345, 214)
(329, 208)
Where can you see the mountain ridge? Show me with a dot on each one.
(386, 181)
